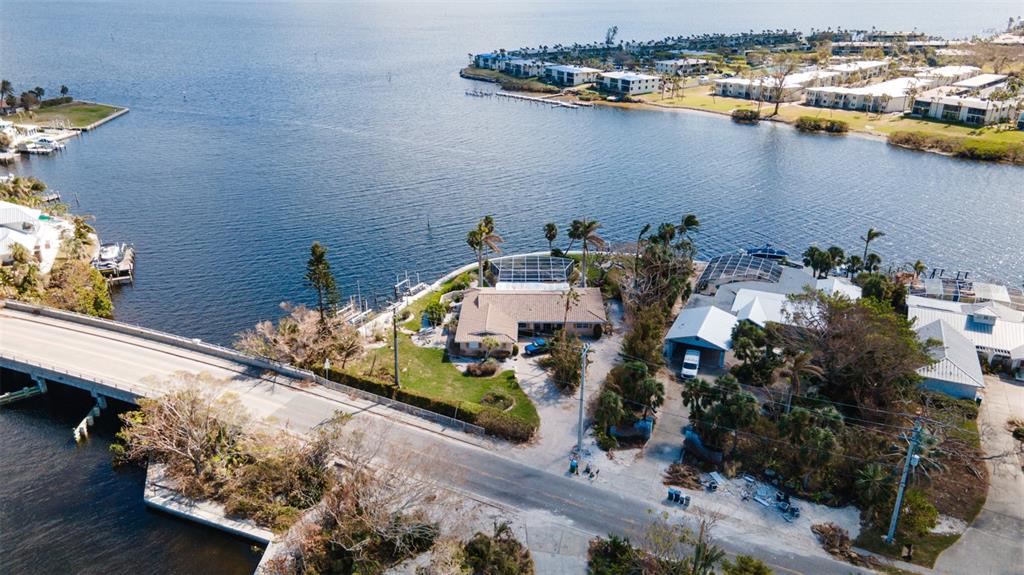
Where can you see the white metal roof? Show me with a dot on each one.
(573, 69)
(896, 87)
(956, 359)
(858, 65)
(708, 324)
(980, 81)
(627, 76)
(681, 61)
(1005, 336)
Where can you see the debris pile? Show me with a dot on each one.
(682, 475)
(836, 541)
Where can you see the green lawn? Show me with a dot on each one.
(511, 82)
(78, 114)
(426, 371)
(926, 549)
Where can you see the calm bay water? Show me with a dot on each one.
(259, 127)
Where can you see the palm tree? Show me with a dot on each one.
(919, 269)
(853, 265)
(636, 256)
(550, 234)
(6, 89)
(837, 255)
(38, 91)
(872, 262)
(64, 90)
(480, 239)
(799, 365)
(871, 236)
(589, 238)
(872, 484)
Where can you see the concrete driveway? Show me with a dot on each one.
(994, 543)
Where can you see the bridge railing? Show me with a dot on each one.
(25, 364)
(234, 356)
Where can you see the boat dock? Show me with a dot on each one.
(549, 100)
(116, 262)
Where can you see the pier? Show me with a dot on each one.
(549, 100)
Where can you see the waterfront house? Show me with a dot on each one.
(994, 328)
(684, 66)
(566, 75)
(525, 68)
(742, 287)
(765, 88)
(885, 97)
(37, 232)
(630, 83)
(508, 314)
(956, 371)
(859, 69)
(491, 61)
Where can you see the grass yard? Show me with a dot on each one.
(77, 114)
(926, 549)
(425, 370)
(419, 306)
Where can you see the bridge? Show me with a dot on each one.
(116, 360)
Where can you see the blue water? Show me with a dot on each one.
(259, 127)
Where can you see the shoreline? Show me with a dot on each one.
(647, 106)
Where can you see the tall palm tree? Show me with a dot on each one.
(480, 239)
(636, 256)
(589, 238)
(799, 365)
(550, 234)
(871, 236)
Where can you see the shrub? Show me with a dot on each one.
(497, 554)
(56, 101)
(746, 116)
(483, 368)
(505, 425)
(960, 147)
(497, 400)
(515, 349)
(815, 124)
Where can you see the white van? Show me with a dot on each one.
(691, 362)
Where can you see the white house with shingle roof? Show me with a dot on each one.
(505, 315)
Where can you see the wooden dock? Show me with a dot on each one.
(549, 100)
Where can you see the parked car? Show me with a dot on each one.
(536, 347)
(691, 363)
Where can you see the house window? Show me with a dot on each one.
(473, 345)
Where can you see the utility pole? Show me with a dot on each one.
(914, 440)
(583, 385)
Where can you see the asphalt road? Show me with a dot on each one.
(480, 471)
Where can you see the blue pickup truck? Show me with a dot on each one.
(536, 347)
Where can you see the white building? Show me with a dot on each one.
(766, 88)
(491, 61)
(885, 97)
(946, 75)
(995, 329)
(975, 111)
(862, 69)
(37, 232)
(525, 68)
(571, 75)
(981, 82)
(630, 83)
(684, 66)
